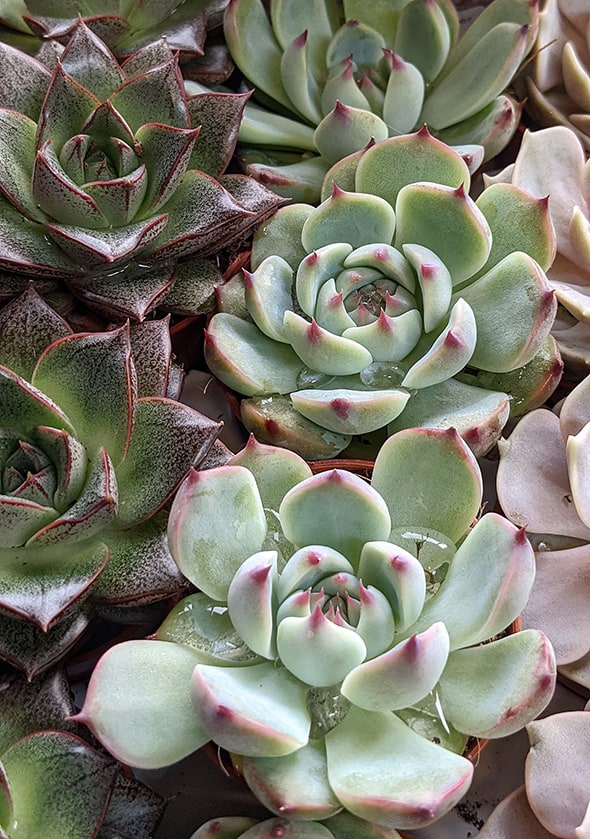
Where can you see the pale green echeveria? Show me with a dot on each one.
(124, 25)
(552, 162)
(341, 826)
(332, 77)
(336, 644)
(558, 76)
(92, 449)
(397, 302)
(112, 179)
(543, 482)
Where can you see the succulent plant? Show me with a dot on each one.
(127, 26)
(91, 450)
(552, 162)
(55, 784)
(332, 76)
(554, 800)
(543, 483)
(397, 302)
(558, 77)
(336, 645)
(109, 182)
(341, 826)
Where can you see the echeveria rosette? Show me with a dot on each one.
(558, 76)
(91, 450)
(554, 800)
(335, 646)
(111, 179)
(398, 301)
(544, 483)
(552, 162)
(54, 783)
(331, 77)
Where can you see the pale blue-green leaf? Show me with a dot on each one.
(404, 96)
(207, 552)
(300, 778)
(144, 721)
(321, 350)
(354, 218)
(245, 359)
(493, 572)
(451, 351)
(403, 675)
(462, 239)
(268, 295)
(524, 307)
(389, 338)
(428, 50)
(384, 772)
(436, 284)
(398, 575)
(337, 509)
(275, 469)
(429, 478)
(322, 264)
(258, 711)
(281, 234)
(346, 129)
(394, 163)
(350, 411)
(495, 689)
(251, 602)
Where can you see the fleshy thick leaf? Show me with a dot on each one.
(384, 772)
(139, 703)
(204, 548)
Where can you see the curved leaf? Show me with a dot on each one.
(144, 721)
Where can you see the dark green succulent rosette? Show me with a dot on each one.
(92, 448)
(111, 179)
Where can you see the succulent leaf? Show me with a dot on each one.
(369, 755)
(140, 736)
(521, 694)
(206, 559)
(336, 509)
(256, 711)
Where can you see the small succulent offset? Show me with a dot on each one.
(336, 645)
(398, 302)
(108, 178)
(552, 162)
(543, 482)
(347, 73)
(558, 77)
(91, 449)
(554, 802)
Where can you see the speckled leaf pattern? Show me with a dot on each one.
(25, 646)
(27, 326)
(219, 116)
(166, 152)
(60, 786)
(24, 406)
(152, 356)
(17, 160)
(140, 569)
(92, 376)
(32, 706)
(23, 81)
(170, 433)
(39, 585)
(134, 810)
